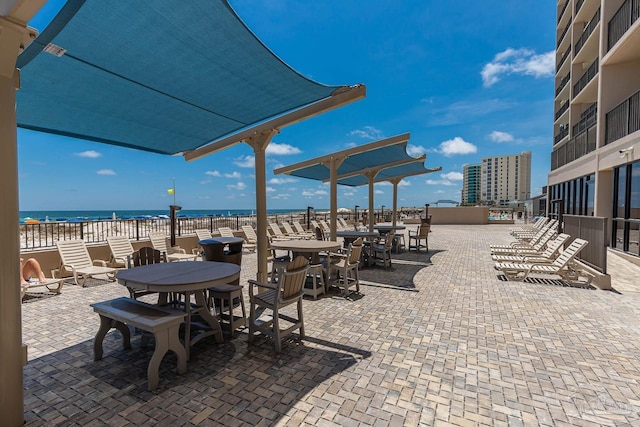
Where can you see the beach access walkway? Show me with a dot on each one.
(438, 339)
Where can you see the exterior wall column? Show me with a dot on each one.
(334, 164)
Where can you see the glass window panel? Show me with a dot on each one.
(622, 188)
(634, 202)
(618, 240)
(590, 192)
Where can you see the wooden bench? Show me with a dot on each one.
(163, 322)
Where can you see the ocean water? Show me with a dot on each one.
(128, 214)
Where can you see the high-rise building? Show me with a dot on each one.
(471, 188)
(506, 179)
(595, 167)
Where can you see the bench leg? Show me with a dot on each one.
(166, 340)
(105, 326)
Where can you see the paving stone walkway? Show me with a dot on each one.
(439, 339)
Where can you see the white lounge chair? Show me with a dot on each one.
(121, 251)
(536, 244)
(226, 232)
(562, 266)
(276, 233)
(76, 261)
(292, 233)
(159, 242)
(546, 256)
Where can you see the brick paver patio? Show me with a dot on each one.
(439, 339)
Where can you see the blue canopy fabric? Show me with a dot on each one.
(387, 159)
(400, 171)
(155, 75)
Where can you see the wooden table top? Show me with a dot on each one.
(306, 245)
(178, 276)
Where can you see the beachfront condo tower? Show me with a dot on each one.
(471, 188)
(595, 160)
(506, 180)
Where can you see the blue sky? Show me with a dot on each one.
(468, 80)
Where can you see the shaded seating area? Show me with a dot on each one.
(380, 249)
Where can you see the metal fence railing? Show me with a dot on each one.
(45, 234)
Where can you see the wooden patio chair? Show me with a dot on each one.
(381, 249)
(419, 236)
(287, 290)
(346, 267)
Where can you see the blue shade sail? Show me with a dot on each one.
(164, 76)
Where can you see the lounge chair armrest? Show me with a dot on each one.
(68, 267)
(100, 262)
(177, 250)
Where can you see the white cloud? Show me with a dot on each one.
(271, 190)
(205, 181)
(415, 150)
(404, 183)
(439, 182)
(452, 176)
(379, 192)
(367, 132)
(497, 136)
(239, 186)
(282, 149)
(212, 173)
(105, 172)
(235, 174)
(245, 161)
(276, 181)
(89, 154)
(518, 61)
(309, 193)
(455, 146)
(348, 193)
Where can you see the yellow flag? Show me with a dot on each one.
(170, 191)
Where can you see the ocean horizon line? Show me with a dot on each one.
(66, 215)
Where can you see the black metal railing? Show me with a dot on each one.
(563, 83)
(565, 55)
(623, 119)
(578, 146)
(564, 8)
(564, 33)
(45, 234)
(587, 118)
(564, 107)
(594, 230)
(560, 135)
(588, 29)
(621, 21)
(586, 77)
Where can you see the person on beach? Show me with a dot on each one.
(30, 268)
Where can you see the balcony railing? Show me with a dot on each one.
(584, 80)
(563, 83)
(564, 32)
(623, 119)
(578, 146)
(622, 20)
(560, 135)
(564, 107)
(588, 29)
(565, 55)
(587, 118)
(564, 8)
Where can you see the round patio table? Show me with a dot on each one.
(350, 236)
(185, 277)
(304, 247)
(384, 229)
